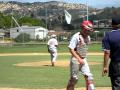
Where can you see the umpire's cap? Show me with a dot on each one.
(116, 21)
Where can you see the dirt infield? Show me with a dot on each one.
(98, 88)
(59, 63)
(27, 54)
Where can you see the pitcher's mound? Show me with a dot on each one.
(59, 63)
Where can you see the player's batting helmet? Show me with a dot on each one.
(87, 25)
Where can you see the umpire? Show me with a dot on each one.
(111, 47)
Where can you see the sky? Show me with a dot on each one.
(94, 3)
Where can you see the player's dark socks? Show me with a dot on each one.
(53, 64)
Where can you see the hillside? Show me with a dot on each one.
(52, 12)
(37, 9)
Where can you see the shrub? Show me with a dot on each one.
(23, 37)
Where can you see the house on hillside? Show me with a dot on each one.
(2, 34)
(35, 32)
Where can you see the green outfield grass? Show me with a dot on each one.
(44, 76)
(42, 48)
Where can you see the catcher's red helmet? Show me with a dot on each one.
(87, 25)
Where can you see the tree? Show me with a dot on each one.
(31, 21)
(5, 21)
(23, 37)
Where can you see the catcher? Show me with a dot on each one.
(78, 49)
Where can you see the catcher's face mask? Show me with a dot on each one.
(87, 25)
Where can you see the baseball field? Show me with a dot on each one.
(29, 68)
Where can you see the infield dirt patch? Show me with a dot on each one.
(59, 63)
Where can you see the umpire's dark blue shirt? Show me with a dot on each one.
(111, 42)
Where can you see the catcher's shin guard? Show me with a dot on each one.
(91, 86)
(89, 83)
(71, 83)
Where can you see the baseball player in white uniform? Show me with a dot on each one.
(78, 63)
(52, 48)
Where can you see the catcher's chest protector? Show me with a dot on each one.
(82, 47)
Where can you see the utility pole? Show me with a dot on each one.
(87, 9)
(13, 19)
(12, 15)
(16, 23)
(46, 15)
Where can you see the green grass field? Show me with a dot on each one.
(42, 48)
(44, 76)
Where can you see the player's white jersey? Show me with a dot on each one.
(52, 43)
